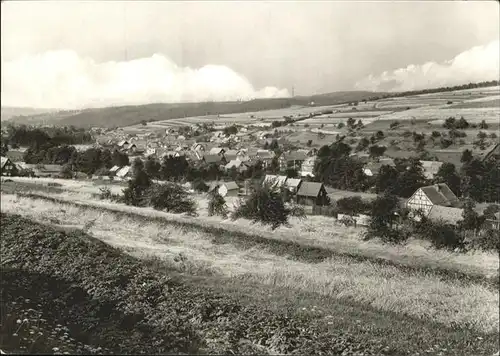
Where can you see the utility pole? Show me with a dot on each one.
(293, 91)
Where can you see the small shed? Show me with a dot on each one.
(312, 193)
(225, 189)
(7, 168)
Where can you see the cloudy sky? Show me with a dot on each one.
(69, 54)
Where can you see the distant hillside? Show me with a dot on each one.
(120, 116)
(9, 112)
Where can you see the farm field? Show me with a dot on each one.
(442, 314)
(474, 105)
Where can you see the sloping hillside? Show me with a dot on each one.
(120, 116)
(8, 112)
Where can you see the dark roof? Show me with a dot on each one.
(4, 161)
(212, 158)
(309, 189)
(440, 194)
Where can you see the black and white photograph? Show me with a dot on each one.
(250, 177)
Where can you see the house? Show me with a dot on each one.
(274, 181)
(311, 194)
(430, 168)
(113, 170)
(48, 170)
(7, 168)
(225, 189)
(307, 168)
(231, 155)
(425, 198)
(265, 156)
(124, 173)
(213, 158)
(292, 160)
(293, 184)
(217, 151)
(123, 145)
(236, 163)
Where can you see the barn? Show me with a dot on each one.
(312, 194)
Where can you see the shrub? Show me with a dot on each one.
(488, 241)
(352, 206)
(170, 197)
(217, 204)
(442, 235)
(105, 193)
(265, 205)
(200, 186)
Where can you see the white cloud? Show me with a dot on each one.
(62, 79)
(481, 63)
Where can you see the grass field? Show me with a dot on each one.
(407, 309)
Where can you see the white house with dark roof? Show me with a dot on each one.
(436, 202)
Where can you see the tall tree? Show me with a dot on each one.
(448, 174)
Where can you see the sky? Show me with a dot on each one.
(73, 54)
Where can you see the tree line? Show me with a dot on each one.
(476, 179)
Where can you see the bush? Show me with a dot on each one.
(488, 241)
(171, 198)
(217, 205)
(105, 193)
(443, 235)
(266, 205)
(200, 186)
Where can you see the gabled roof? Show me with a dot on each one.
(274, 180)
(123, 171)
(440, 194)
(121, 143)
(310, 189)
(3, 161)
(114, 169)
(229, 185)
(447, 214)
(234, 163)
(212, 158)
(216, 150)
(293, 182)
(265, 154)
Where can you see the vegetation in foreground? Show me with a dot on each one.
(127, 307)
(144, 304)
